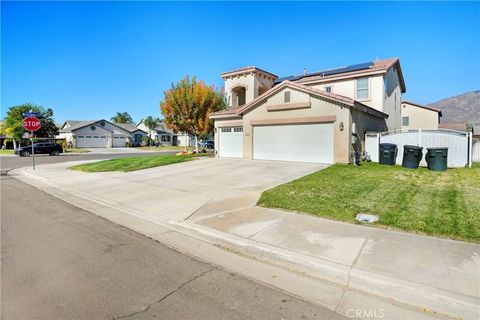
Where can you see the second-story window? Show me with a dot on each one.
(328, 89)
(362, 89)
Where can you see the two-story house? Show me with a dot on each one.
(314, 117)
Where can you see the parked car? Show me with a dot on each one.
(50, 148)
(210, 144)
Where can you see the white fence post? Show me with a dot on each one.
(470, 149)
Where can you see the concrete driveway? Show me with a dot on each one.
(181, 191)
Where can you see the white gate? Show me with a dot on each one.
(476, 152)
(459, 144)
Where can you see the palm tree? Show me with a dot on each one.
(150, 123)
(122, 117)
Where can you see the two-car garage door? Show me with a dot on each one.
(289, 142)
(296, 142)
(92, 141)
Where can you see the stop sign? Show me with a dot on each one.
(31, 124)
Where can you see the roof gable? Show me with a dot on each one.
(328, 96)
(423, 107)
(76, 124)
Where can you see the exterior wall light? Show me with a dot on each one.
(341, 126)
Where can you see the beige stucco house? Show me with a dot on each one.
(315, 117)
(417, 116)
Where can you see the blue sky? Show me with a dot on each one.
(88, 60)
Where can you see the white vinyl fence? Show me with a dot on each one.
(459, 144)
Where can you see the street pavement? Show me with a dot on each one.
(61, 262)
(10, 162)
(437, 279)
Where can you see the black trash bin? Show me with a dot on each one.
(412, 155)
(388, 153)
(437, 159)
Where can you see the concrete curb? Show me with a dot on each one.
(397, 297)
(407, 292)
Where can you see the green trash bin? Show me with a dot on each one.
(387, 154)
(437, 159)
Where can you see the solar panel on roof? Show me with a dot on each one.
(355, 67)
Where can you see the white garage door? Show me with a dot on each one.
(119, 142)
(299, 142)
(231, 142)
(92, 141)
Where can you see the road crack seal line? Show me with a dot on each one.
(165, 296)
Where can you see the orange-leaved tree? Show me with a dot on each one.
(187, 106)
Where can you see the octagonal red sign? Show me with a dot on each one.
(31, 124)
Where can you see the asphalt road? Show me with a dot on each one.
(13, 162)
(61, 262)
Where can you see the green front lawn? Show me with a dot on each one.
(435, 203)
(7, 151)
(133, 163)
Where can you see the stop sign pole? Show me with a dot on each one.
(32, 124)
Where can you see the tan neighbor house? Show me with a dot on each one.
(318, 117)
(417, 116)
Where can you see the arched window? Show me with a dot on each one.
(238, 96)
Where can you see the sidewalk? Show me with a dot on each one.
(341, 266)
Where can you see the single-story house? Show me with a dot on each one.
(417, 116)
(100, 134)
(319, 117)
(164, 136)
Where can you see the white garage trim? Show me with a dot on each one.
(231, 142)
(294, 142)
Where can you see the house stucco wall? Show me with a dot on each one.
(384, 94)
(419, 118)
(392, 95)
(363, 123)
(252, 82)
(353, 120)
(116, 130)
(348, 88)
(318, 107)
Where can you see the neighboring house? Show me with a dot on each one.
(417, 116)
(100, 134)
(166, 137)
(315, 117)
(476, 132)
(453, 126)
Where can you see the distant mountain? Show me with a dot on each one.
(463, 108)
